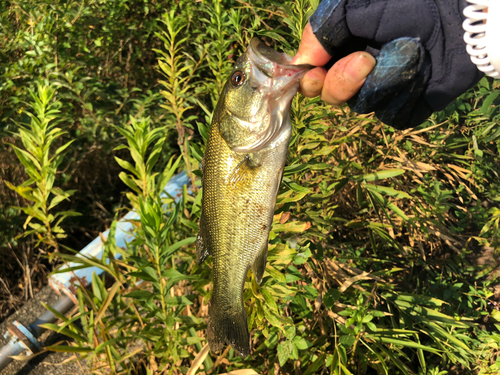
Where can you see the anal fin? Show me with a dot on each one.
(259, 266)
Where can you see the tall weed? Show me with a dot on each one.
(41, 162)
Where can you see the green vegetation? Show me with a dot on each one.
(372, 255)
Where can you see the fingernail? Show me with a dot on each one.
(360, 66)
(311, 87)
(296, 59)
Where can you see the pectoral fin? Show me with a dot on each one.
(259, 265)
(245, 169)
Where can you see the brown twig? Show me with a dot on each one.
(6, 287)
(219, 360)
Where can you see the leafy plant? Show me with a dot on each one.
(41, 161)
(178, 73)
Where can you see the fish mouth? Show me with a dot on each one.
(273, 72)
(274, 63)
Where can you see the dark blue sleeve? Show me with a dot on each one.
(422, 63)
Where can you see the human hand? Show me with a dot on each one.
(341, 82)
(422, 63)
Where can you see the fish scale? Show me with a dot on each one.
(242, 169)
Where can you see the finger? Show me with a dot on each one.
(310, 50)
(346, 77)
(312, 83)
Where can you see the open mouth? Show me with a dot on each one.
(274, 63)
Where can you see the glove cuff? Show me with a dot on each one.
(329, 25)
(482, 32)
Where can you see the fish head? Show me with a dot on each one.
(256, 99)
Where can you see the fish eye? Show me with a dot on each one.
(237, 78)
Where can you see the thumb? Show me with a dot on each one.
(310, 50)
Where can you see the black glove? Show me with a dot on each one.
(422, 62)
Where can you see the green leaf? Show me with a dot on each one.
(291, 227)
(56, 200)
(274, 35)
(23, 191)
(296, 187)
(64, 331)
(55, 312)
(404, 343)
(347, 340)
(331, 297)
(176, 246)
(63, 147)
(379, 175)
(110, 342)
(109, 298)
(486, 108)
(277, 320)
(285, 351)
(271, 303)
(196, 152)
(288, 197)
(168, 172)
(155, 154)
(301, 258)
(290, 170)
(203, 129)
(147, 274)
(367, 318)
(444, 334)
(140, 295)
(387, 191)
(316, 365)
(175, 276)
(129, 182)
(126, 165)
(275, 274)
(416, 299)
(301, 343)
(495, 314)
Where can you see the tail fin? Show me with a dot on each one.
(228, 328)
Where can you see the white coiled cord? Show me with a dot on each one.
(481, 37)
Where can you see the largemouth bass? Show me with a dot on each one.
(242, 170)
